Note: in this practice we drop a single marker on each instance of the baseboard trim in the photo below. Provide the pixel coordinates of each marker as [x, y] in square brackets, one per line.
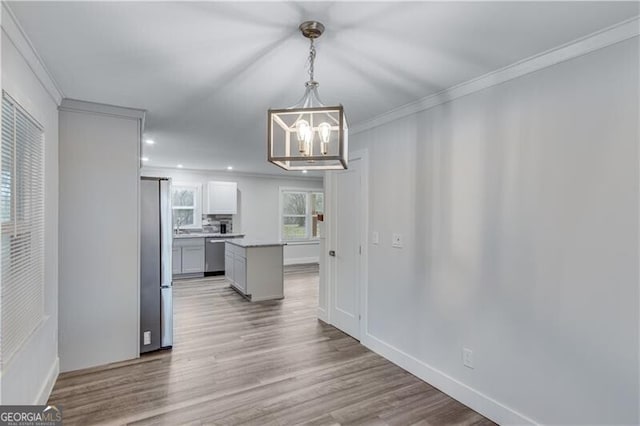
[470, 397]
[302, 260]
[265, 298]
[322, 315]
[47, 386]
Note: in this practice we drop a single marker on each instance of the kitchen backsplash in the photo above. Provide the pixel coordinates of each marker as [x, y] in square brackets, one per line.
[212, 222]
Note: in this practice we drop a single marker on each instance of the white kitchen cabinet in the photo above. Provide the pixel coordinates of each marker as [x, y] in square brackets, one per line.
[240, 273]
[228, 267]
[188, 257]
[192, 260]
[222, 198]
[176, 260]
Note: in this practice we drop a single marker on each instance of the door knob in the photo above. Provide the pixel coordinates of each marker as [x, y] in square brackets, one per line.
[332, 253]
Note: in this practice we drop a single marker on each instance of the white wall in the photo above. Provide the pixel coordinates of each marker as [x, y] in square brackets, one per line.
[258, 205]
[99, 234]
[519, 210]
[301, 253]
[29, 376]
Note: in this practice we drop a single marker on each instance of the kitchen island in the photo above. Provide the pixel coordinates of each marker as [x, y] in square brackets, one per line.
[255, 268]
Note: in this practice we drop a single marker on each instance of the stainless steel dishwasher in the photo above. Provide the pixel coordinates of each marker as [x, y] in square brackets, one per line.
[214, 257]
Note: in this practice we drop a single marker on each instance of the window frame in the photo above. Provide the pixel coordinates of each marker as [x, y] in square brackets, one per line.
[308, 215]
[197, 204]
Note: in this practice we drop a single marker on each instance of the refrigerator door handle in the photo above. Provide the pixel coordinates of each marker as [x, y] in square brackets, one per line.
[166, 237]
[166, 273]
[166, 312]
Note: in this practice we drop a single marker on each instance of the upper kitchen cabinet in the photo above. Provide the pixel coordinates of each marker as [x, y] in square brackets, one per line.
[223, 198]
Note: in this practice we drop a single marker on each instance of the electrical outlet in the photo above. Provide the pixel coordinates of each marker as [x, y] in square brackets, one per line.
[467, 357]
[396, 241]
[375, 237]
[147, 338]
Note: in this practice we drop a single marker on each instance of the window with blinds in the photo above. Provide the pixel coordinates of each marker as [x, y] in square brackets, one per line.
[22, 221]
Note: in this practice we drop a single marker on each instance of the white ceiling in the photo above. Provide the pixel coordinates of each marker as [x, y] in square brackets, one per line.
[207, 72]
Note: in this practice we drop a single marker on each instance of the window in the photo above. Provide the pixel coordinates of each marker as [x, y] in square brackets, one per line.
[22, 223]
[187, 209]
[300, 209]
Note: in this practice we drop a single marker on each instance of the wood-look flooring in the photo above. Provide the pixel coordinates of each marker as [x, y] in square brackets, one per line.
[270, 363]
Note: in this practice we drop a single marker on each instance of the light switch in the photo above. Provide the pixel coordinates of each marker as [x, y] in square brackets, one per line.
[396, 241]
[375, 237]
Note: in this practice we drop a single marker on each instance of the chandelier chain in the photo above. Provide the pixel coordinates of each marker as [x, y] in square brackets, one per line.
[312, 58]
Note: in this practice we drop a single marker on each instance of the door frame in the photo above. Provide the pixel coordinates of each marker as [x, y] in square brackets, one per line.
[328, 279]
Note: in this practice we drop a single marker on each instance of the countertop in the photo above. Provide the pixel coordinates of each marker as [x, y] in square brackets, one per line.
[206, 235]
[246, 242]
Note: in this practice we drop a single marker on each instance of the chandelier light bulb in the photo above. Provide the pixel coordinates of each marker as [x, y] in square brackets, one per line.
[324, 130]
[305, 136]
[324, 148]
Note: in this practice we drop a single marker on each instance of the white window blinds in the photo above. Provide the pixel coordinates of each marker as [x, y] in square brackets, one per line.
[22, 217]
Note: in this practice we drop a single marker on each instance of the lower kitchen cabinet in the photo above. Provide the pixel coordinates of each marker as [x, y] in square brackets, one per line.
[188, 257]
[240, 273]
[228, 266]
[192, 260]
[176, 260]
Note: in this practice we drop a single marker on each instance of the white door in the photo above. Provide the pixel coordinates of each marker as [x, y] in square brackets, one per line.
[345, 302]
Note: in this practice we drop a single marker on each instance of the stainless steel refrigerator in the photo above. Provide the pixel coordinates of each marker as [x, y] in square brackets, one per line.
[156, 304]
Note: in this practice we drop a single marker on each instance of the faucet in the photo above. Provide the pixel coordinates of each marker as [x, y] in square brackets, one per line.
[178, 223]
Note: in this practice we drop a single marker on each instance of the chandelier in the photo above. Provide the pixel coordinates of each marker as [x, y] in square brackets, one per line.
[308, 135]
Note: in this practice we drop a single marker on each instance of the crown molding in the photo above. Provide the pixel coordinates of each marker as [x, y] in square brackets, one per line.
[74, 105]
[12, 29]
[230, 174]
[606, 37]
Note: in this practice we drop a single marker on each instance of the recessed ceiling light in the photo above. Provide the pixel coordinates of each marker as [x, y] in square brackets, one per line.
[180, 166]
[149, 141]
[229, 167]
[304, 171]
[145, 159]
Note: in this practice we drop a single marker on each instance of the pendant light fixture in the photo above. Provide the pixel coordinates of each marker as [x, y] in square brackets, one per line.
[308, 135]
